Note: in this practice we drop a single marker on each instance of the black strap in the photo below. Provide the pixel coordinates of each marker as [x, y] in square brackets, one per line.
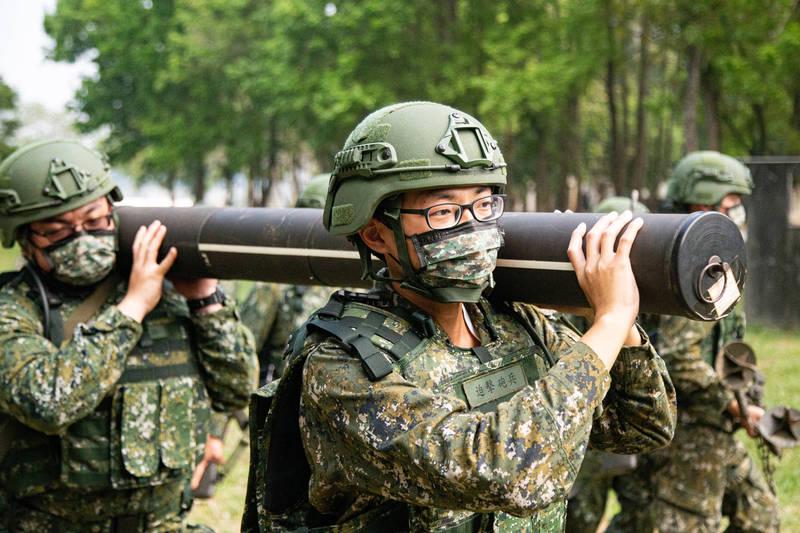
[482, 354]
[153, 373]
[376, 365]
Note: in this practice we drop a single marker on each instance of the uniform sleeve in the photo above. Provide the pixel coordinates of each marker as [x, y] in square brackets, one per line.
[227, 356]
[639, 412]
[701, 394]
[259, 311]
[396, 440]
[48, 388]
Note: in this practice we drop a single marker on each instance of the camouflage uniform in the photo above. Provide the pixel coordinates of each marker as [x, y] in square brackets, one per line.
[455, 439]
[589, 494]
[381, 423]
[272, 313]
[110, 423]
[705, 470]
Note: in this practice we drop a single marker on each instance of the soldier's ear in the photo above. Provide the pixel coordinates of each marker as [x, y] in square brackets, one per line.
[377, 236]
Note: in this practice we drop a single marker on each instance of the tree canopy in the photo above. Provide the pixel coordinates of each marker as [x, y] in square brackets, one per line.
[609, 92]
[9, 122]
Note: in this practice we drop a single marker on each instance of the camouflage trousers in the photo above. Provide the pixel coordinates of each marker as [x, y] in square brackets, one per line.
[587, 500]
[68, 511]
[688, 485]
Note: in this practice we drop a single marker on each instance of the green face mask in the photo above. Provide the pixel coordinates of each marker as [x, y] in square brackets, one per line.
[83, 259]
[456, 264]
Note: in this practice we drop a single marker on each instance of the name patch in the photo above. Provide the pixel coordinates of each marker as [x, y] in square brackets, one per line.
[494, 385]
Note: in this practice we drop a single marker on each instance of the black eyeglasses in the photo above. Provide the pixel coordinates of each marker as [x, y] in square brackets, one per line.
[444, 216]
[103, 222]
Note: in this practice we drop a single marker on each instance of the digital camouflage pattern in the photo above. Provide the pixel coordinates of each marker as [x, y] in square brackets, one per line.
[440, 434]
[589, 494]
[125, 403]
[465, 260]
[85, 259]
[683, 487]
[273, 312]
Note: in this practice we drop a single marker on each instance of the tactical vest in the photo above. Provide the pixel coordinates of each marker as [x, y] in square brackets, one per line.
[386, 338]
[149, 430]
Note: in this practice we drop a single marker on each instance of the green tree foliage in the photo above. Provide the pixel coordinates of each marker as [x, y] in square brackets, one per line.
[606, 91]
[8, 119]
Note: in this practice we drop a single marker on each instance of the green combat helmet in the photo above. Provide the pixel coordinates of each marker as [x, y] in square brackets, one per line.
[314, 193]
[44, 179]
[406, 147]
[620, 204]
[705, 178]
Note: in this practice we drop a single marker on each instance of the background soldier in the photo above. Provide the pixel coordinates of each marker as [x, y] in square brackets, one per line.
[422, 405]
[682, 487]
[271, 312]
[589, 494]
[105, 384]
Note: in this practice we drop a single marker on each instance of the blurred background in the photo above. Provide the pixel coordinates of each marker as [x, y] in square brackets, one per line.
[239, 102]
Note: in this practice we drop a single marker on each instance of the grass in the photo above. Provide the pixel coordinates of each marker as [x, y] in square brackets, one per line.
[10, 259]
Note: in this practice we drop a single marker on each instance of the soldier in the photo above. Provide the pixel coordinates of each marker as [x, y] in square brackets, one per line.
[587, 501]
[272, 314]
[682, 487]
[105, 383]
[423, 405]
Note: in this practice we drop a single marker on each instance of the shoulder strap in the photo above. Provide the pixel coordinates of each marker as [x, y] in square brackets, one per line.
[357, 332]
[89, 307]
[531, 329]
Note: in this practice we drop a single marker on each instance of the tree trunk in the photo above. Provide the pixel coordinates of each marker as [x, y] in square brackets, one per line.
[272, 163]
[199, 182]
[228, 174]
[543, 192]
[640, 164]
[690, 95]
[570, 155]
[617, 156]
[760, 140]
[711, 98]
[171, 182]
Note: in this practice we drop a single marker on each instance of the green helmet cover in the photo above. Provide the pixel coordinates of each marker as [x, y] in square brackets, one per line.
[48, 178]
[620, 204]
[314, 193]
[706, 177]
[407, 147]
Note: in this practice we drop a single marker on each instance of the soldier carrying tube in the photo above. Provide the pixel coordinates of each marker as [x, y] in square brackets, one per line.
[422, 405]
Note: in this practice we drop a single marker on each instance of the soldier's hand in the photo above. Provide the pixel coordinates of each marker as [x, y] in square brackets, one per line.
[213, 453]
[607, 280]
[147, 274]
[754, 415]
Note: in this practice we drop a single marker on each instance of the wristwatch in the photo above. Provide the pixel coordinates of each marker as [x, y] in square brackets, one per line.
[217, 297]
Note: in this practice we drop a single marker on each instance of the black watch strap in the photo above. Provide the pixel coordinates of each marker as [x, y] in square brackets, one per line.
[218, 297]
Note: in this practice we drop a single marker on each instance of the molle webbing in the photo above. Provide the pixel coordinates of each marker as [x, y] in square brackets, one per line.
[357, 332]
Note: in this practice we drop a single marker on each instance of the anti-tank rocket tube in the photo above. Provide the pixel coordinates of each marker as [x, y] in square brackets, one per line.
[692, 265]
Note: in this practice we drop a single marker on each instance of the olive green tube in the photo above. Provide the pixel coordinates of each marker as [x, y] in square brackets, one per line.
[691, 265]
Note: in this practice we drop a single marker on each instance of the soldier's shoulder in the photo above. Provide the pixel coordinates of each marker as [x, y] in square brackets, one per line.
[14, 291]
